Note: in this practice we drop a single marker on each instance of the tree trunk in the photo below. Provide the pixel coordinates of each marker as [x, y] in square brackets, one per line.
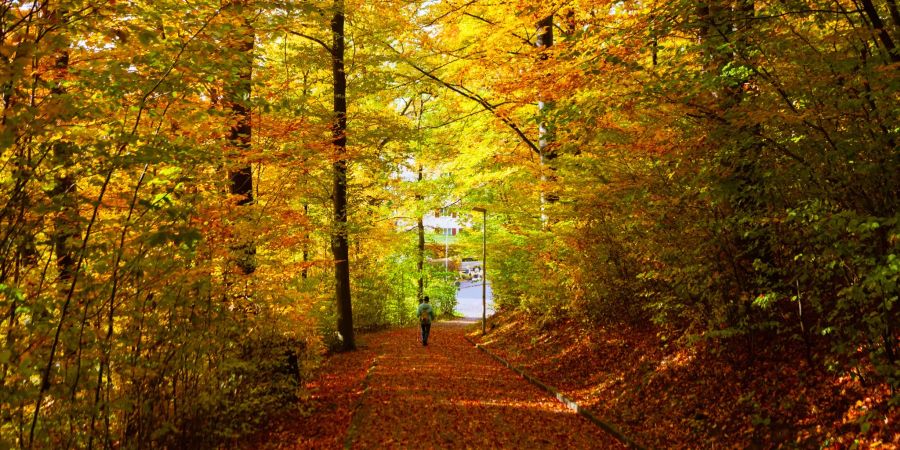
[339, 247]
[548, 154]
[878, 27]
[420, 261]
[63, 194]
[238, 97]
[305, 272]
[654, 42]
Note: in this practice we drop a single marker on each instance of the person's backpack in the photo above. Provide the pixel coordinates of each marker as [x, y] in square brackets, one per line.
[425, 317]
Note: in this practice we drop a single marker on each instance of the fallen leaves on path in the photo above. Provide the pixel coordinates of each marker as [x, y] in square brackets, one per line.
[450, 395]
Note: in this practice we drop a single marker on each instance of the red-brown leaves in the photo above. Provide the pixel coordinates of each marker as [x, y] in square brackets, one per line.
[450, 395]
[666, 394]
[446, 395]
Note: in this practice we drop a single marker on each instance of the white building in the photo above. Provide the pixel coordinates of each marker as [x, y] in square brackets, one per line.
[442, 221]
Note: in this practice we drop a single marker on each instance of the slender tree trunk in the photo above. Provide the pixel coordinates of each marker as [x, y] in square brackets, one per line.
[339, 246]
[305, 272]
[547, 152]
[420, 261]
[654, 42]
[239, 136]
[66, 223]
[878, 27]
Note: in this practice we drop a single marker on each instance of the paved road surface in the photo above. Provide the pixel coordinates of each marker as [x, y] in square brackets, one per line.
[468, 300]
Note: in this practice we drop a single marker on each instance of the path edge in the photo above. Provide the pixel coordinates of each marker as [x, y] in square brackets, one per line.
[357, 414]
[562, 398]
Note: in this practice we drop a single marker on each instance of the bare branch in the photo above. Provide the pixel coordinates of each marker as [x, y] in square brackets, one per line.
[316, 40]
[461, 90]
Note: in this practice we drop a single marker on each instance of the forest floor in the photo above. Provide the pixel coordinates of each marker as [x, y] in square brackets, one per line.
[663, 391]
[325, 406]
[395, 393]
[658, 390]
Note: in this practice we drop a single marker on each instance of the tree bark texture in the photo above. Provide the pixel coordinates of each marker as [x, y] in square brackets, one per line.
[339, 245]
[547, 152]
[240, 133]
[64, 192]
[879, 29]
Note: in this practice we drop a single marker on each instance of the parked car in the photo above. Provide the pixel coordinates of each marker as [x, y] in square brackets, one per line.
[468, 264]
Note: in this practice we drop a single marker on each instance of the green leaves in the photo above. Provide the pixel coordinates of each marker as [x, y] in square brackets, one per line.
[11, 293]
[185, 237]
[765, 301]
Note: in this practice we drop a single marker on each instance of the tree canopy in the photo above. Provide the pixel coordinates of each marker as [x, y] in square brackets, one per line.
[197, 196]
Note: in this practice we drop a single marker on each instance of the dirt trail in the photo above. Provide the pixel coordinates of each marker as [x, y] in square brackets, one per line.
[451, 395]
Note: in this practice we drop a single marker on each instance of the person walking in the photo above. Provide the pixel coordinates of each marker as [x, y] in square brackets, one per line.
[426, 315]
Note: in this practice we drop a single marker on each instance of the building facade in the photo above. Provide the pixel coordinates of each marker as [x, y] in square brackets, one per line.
[443, 221]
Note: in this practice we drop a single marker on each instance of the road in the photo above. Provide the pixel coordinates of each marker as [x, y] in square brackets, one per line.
[451, 395]
[468, 299]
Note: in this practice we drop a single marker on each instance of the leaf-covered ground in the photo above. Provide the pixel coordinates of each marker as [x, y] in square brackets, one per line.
[446, 395]
[664, 393]
[451, 395]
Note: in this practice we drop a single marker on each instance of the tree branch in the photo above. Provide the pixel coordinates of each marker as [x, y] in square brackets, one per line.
[477, 99]
[317, 41]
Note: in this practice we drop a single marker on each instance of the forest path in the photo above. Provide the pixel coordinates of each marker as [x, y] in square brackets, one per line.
[451, 395]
